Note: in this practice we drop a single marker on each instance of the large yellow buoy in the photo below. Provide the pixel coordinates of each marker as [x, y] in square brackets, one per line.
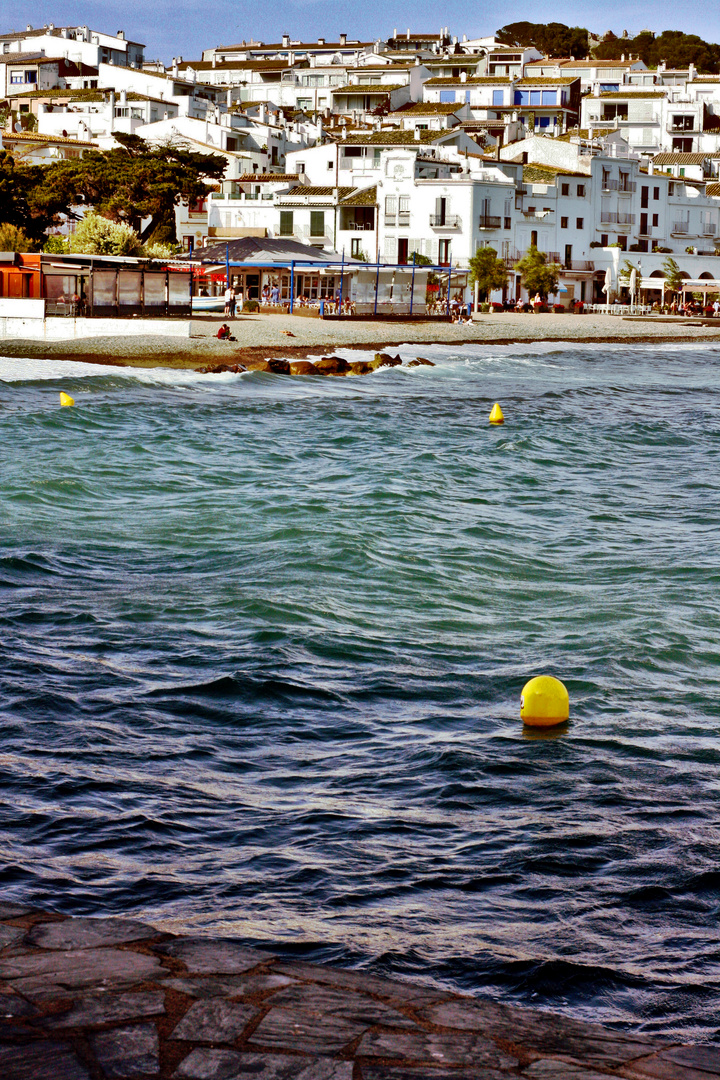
[65, 399]
[544, 702]
[496, 414]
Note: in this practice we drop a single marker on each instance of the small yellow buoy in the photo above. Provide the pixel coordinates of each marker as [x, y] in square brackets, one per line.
[65, 399]
[544, 702]
[496, 414]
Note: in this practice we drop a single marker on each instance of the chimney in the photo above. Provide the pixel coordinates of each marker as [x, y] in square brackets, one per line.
[286, 41]
[463, 76]
[28, 28]
[395, 32]
[175, 69]
[214, 60]
[692, 72]
[344, 131]
[651, 167]
[622, 58]
[121, 34]
[416, 134]
[321, 41]
[343, 39]
[408, 33]
[417, 61]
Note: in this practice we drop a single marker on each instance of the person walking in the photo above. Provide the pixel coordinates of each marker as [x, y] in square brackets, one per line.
[228, 295]
[232, 304]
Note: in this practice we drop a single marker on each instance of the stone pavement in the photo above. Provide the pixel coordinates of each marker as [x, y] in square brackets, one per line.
[116, 999]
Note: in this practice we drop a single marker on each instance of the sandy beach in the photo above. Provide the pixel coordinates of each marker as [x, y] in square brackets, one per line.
[265, 336]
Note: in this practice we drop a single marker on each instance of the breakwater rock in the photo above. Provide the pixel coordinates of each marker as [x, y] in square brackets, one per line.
[95, 999]
[328, 365]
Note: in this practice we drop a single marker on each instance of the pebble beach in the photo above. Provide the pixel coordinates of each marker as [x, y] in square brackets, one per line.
[264, 336]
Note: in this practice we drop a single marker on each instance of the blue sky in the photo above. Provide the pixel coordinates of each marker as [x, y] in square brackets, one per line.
[185, 27]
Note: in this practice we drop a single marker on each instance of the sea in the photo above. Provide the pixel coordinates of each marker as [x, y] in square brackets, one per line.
[263, 641]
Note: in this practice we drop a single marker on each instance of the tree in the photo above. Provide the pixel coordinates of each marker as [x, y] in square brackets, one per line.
[538, 275]
[419, 259]
[488, 271]
[97, 235]
[56, 245]
[17, 182]
[13, 239]
[128, 184]
[673, 275]
[552, 39]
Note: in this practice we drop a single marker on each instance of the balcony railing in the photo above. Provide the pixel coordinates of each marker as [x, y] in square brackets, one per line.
[579, 264]
[681, 228]
[625, 186]
[611, 218]
[539, 215]
[646, 232]
[358, 226]
[445, 221]
[708, 229]
[488, 221]
[674, 129]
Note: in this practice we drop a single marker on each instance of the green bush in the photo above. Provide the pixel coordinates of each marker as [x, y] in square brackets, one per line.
[251, 305]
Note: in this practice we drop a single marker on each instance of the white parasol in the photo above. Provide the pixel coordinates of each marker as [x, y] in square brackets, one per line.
[608, 282]
[633, 282]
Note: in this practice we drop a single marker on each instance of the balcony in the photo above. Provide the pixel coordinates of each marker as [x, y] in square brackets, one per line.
[612, 218]
[708, 229]
[579, 264]
[488, 221]
[445, 221]
[674, 129]
[626, 187]
[646, 233]
[680, 228]
[539, 215]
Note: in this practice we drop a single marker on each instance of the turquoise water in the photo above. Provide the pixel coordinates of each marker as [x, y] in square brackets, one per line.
[262, 643]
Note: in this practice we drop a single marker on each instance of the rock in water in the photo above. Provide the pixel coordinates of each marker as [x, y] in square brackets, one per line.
[360, 367]
[383, 359]
[332, 365]
[420, 360]
[303, 367]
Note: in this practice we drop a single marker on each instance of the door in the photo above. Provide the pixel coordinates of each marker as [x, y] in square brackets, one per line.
[568, 256]
[440, 210]
[644, 195]
[402, 249]
[643, 225]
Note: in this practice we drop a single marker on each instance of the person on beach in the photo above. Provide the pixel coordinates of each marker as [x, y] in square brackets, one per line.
[224, 334]
[275, 295]
[239, 298]
[228, 294]
[537, 303]
[232, 304]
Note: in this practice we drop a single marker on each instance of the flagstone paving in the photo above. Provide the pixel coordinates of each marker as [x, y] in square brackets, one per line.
[116, 999]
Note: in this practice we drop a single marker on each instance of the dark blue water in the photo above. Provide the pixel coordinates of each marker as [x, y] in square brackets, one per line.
[262, 643]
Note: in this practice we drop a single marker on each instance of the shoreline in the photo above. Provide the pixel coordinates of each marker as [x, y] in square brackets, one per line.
[266, 337]
[85, 997]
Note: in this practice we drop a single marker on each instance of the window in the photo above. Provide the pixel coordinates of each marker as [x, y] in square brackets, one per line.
[356, 248]
[390, 209]
[232, 144]
[444, 253]
[404, 210]
[549, 97]
[330, 165]
[317, 222]
[300, 167]
[286, 223]
[447, 97]
[545, 121]
[656, 193]
[31, 76]
[507, 223]
[656, 220]
[581, 191]
[535, 97]
[16, 77]
[497, 97]
[564, 189]
[522, 97]
[402, 249]
[563, 223]
[579, 223]
[604, 239]
[353, 151]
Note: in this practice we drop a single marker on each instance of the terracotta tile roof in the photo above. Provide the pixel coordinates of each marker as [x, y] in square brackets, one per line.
[364, 197]
[360, 88]
[259, 65]
[682, 159]
[713, 190]
[560, 80]
[34, 136]
[28, 58]
[320, 192]
[631, 95]
[540, 174]
[472, 80]
[428, 108]
[266, 178]
[393, 138]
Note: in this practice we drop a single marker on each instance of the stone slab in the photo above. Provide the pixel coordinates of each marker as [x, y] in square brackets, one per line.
[305, 1032]
[12, 1005]
[362, 981]
[230, 986]
[9, 910]
[541, 1032]
[108, 1008]
[208, 956]
[43, 973]
[690, 1062]
[210, 1064]
[373, 1071]
[214, 1020]
[353, 1006]
[89, 933]
[430, 1048]
[128, 1053]
[41, 1061]
[553, 1069]
[11, 935]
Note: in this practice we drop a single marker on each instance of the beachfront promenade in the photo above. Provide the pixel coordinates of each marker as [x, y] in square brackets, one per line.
[116, 999]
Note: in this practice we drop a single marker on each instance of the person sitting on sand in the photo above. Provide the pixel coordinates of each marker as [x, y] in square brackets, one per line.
[224, 333]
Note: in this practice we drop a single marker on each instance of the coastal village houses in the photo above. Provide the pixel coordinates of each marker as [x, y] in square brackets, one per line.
[426, 145]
